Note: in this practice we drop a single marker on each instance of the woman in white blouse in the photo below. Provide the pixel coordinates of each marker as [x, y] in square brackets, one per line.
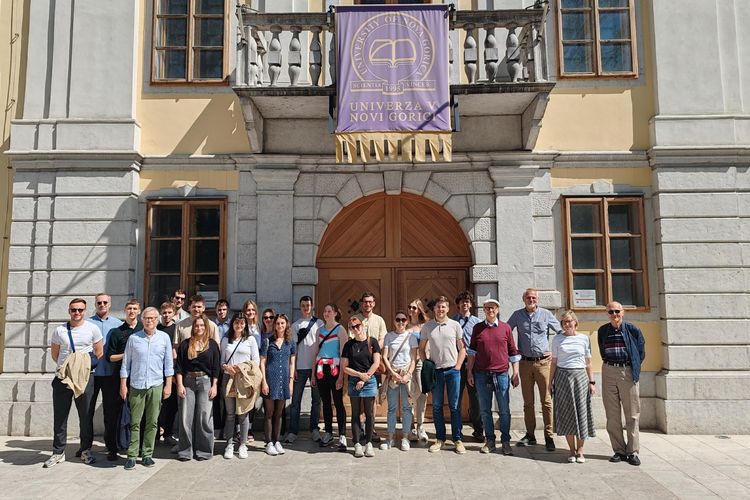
[237, 347]
[572, 385]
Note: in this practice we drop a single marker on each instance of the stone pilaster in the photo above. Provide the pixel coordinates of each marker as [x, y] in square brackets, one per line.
[275, 236]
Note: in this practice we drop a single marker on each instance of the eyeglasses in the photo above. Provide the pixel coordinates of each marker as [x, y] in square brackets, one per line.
[149, 318]
[101, 303]
[267, 317]
[614, 311]
[77, 310]
[412, 308]
[401, 320]
[566, 321]
[356, 327]
[181, 299]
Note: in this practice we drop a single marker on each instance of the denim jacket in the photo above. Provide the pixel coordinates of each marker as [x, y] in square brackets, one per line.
[634, 344]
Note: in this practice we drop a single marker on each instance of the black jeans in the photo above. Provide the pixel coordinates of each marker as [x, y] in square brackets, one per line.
[368, 405]
[327, 390]
[62, 398]
[109, 386]
[474, 414]
[169, 412]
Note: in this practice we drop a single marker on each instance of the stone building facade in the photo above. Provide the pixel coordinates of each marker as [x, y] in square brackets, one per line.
[99, 141]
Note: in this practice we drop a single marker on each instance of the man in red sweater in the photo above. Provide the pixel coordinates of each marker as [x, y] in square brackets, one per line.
[493, 351]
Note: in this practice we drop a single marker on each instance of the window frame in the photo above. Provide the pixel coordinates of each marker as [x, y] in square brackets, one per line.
[189, 48]
[602, 203]
[184, 238]
[596, 43]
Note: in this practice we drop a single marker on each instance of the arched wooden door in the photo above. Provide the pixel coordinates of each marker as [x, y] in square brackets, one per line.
[398, 247]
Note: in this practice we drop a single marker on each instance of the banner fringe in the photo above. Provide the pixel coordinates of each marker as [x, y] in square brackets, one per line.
[414, 146]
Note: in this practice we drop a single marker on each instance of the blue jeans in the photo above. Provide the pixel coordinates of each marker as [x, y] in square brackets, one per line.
[487, 384]
[393, 394]
[296, 407]
[451, 379]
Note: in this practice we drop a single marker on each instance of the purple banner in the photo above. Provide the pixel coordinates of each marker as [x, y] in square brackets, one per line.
[392, 68]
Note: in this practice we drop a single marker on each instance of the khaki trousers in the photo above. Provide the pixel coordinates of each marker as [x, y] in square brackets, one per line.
[536, 373]
[619, 391]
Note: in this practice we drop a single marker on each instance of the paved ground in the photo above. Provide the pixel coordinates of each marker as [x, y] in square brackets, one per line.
[673, 467]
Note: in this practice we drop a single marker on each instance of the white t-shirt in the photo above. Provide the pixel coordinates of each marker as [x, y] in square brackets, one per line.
[84, 338]
[571, 351]
[247, 350]
[306, 348]
[393, 341]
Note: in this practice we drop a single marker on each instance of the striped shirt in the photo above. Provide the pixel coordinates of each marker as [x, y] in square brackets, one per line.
[614, 347]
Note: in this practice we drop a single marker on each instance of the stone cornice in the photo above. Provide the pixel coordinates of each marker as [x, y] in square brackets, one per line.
[75, 160]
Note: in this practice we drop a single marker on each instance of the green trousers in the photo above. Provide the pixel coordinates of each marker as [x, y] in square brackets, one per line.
[142, 401]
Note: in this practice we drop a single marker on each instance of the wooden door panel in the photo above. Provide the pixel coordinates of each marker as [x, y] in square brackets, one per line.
[344, 287]
[427, 284]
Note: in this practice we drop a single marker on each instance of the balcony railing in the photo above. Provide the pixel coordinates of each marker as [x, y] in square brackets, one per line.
[292, 50]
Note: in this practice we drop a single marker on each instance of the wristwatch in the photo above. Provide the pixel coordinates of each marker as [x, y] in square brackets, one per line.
[592, 382]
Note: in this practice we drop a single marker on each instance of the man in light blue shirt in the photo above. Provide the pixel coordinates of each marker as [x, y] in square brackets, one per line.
[464, 303]
[222, 317]
[147, 361]
[105, 378]
[533, 324]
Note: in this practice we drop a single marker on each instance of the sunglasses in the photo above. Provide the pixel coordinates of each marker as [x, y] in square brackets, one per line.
[76, 309]
[102, 303]
[401, 320]
[356, 326]
[412, 308]
[614, 311]
[181, 299]
[267, 317]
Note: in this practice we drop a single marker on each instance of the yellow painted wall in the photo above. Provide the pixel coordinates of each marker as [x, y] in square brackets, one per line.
[187, 123]
[224, 180]
[653, 362]
[602, 118]
[13, 35]
[569, 177]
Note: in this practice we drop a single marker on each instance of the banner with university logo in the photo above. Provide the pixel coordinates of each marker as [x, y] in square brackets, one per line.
[393, 85]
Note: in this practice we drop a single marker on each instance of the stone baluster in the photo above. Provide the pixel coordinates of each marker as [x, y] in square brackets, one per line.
[535, 55]
[274, 56]
[513, 55]
[470, 54]
[491, 53]
[295, 56]
[251, 58]
[332, 57]
[316, 56]
[260, 42]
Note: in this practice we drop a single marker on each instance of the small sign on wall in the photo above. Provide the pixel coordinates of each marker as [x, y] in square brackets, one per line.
[584, 298]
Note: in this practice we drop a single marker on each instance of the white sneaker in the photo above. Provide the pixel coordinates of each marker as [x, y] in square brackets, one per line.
[358, 451]
[271, 450]
[405, 446]
[242, 451]
[229, 451]
[315, 435]
[422, 435]
[54, 460]
[369, 451]
[290, 438]
[413, 436]
[279, 448]
[342, 443]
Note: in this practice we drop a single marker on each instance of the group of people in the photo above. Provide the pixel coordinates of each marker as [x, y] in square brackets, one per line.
[214, 374]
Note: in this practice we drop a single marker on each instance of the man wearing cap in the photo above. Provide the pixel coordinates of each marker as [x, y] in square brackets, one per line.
[533, 324]
[492, 349]
[622, 348]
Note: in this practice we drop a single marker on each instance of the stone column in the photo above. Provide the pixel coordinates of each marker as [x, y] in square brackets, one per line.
[275, 243]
